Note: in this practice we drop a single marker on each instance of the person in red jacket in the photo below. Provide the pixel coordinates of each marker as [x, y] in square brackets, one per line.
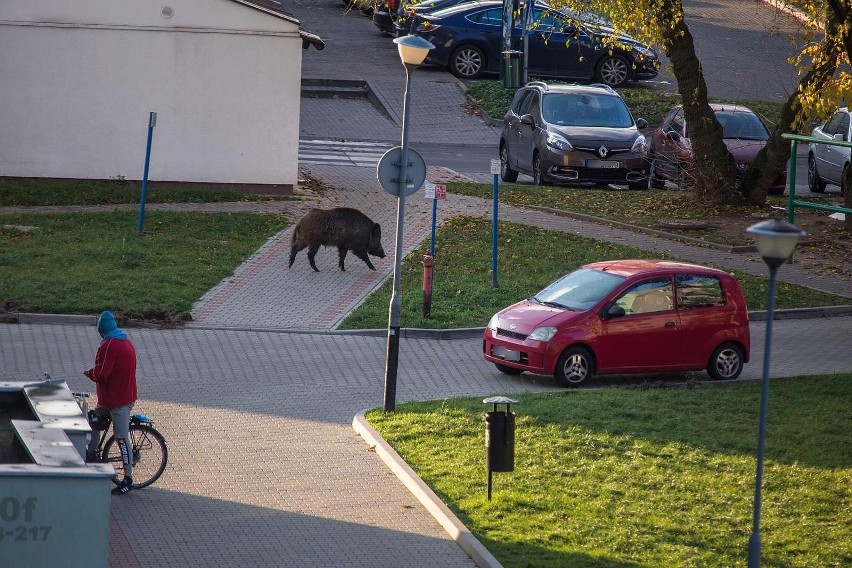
[114, 375]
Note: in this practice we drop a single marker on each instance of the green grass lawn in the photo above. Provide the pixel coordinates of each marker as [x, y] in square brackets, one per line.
[528, 259]
[651, 478]
[33, 192]
[83, 263]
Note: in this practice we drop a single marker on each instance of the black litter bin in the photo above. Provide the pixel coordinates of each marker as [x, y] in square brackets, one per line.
[499, 438]
[500, 441]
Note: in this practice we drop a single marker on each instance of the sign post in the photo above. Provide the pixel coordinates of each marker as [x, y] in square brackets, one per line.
[152, 122]
[495, 171]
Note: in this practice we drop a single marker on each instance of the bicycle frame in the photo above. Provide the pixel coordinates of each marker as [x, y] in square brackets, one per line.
[144, 443]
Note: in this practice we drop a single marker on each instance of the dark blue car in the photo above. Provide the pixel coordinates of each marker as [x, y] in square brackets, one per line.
[561, 45]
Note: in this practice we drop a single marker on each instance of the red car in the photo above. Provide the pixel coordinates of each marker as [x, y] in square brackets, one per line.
[670, 150]
[625, 316]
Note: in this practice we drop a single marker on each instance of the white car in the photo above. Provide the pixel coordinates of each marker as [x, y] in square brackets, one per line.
[827, 163]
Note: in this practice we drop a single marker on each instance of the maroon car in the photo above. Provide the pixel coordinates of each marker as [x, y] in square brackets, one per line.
[625, 316]
[670, 151]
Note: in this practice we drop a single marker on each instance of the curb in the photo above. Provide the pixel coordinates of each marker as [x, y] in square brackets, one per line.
[436, 507]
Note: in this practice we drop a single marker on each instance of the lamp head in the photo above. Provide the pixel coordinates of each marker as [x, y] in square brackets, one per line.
[775, 240]
[412, 49]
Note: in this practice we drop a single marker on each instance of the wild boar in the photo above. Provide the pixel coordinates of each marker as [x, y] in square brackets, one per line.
[343, 227]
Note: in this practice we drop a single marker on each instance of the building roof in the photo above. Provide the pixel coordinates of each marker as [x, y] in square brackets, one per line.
[274, 8]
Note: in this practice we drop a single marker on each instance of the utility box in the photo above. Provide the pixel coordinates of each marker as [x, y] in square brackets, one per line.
[54, 508]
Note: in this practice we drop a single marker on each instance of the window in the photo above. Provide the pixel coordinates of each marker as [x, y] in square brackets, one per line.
[488, 17]
[833, 126]
[694, 291]
[579, 290]
[647, 297]
[531, 105]
[586, 110]
[741, 125]
[843, 128]
[676, 124]
[522, 101]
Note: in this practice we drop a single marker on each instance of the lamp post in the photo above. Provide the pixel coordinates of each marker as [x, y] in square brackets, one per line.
[412, 52]
[775, 240]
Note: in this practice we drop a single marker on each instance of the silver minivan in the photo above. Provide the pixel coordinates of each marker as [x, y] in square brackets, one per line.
[828, 163]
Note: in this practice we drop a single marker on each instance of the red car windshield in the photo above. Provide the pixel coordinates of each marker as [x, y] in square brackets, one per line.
[578, 290]
[741, 126]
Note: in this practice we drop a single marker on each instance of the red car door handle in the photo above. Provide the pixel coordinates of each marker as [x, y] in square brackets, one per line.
[669, 324]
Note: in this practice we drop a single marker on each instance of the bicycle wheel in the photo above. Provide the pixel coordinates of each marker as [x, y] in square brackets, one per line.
[150, 455]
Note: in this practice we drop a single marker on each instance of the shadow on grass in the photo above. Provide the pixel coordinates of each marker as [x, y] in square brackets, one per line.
[525, 554]
[807, 421]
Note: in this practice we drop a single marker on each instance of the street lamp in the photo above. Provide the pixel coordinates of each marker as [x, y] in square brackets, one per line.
[412, 51]
[775, 240]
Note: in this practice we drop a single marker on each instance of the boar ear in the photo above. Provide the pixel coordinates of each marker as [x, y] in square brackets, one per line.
[377, 230]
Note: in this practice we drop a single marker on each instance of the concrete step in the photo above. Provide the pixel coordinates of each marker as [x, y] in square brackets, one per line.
[335, 89]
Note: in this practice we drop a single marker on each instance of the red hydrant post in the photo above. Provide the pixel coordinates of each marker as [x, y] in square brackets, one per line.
[428, 261]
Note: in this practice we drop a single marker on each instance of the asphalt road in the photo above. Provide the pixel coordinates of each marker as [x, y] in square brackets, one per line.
[743, 47]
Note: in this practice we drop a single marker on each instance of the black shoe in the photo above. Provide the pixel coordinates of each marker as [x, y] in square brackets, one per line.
[124, 487]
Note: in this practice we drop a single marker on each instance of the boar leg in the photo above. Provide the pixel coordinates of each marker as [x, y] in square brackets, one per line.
[312, 252]
[294, 250]
[363, 256]
[341, 252]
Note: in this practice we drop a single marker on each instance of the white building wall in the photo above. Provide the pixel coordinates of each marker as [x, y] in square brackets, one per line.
[76, 90]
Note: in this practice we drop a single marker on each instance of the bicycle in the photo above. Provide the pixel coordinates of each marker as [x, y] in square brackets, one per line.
[150, 454]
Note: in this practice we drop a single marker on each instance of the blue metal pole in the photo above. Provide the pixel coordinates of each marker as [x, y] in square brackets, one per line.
[754, 542]
[152, 122]
[494, 235]
[434, 224]
[395, 309]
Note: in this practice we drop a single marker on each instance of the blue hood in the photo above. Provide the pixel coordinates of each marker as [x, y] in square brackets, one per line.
[108, 328]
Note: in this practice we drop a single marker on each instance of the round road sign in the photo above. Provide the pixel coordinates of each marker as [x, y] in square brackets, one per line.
[389, 171]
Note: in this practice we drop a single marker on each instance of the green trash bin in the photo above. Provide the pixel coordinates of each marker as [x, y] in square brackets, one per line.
[511, 69]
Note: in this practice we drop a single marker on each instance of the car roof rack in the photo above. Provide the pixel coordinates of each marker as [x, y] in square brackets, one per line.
[541, 84]
[603, 86]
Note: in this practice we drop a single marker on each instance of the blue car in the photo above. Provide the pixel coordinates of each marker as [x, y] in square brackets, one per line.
[561, 45]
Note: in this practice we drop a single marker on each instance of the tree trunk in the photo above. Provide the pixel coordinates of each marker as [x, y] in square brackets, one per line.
[772, 158]
[714, 170]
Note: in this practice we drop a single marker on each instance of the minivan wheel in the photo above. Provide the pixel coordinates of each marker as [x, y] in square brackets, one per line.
[467, 62]
[613, 70]
[574, 367]
[507, 174]
[726, 363]
[815, 183]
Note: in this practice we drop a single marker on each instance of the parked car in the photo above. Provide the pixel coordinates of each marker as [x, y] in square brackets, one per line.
[402, 24]
[468, 40]
[572, 134]
[624, 316]
[385, 13]
[670, 149]
[828, 164]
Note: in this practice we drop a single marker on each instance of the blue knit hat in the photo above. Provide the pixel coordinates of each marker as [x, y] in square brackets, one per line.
[106, 323]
